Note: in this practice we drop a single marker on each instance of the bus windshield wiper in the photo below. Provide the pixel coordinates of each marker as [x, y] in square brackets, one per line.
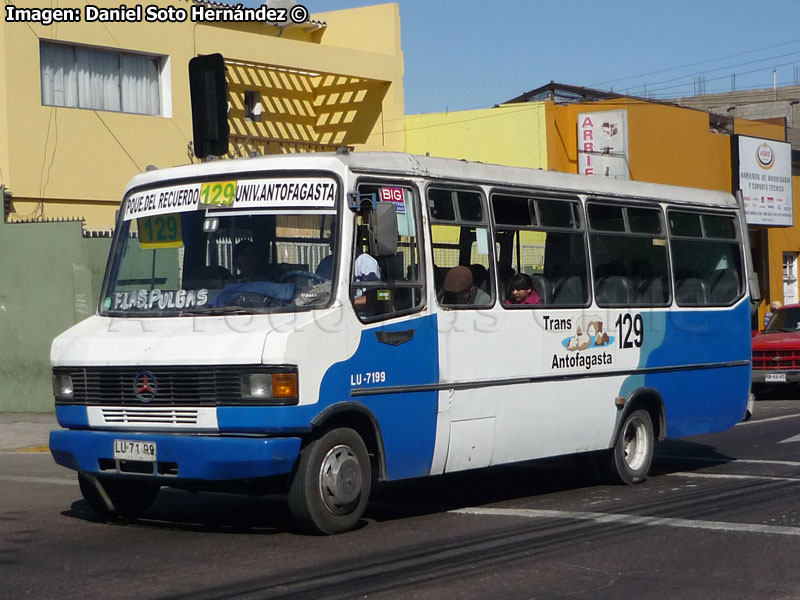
[220, 310]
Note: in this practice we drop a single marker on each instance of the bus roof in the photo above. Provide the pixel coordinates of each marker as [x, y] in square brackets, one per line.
[445, 169]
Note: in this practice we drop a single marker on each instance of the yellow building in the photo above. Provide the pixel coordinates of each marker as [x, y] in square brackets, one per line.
[664, 144]
[515, 135]
[87, 104]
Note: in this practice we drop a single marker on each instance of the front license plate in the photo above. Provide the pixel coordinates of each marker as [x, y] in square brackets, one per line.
[130, 450]
[775, 377]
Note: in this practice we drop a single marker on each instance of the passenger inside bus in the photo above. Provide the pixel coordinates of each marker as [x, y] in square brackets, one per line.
[459, 288]
[520, 291]
[325, 267]
[246, 262]
[480, 276]
[365, 269]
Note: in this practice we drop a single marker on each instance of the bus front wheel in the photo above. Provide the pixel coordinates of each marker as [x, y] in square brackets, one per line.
[331, 487]
[633, 450]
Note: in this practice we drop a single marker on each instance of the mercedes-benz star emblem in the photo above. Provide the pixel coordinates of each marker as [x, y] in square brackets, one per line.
[145, 386]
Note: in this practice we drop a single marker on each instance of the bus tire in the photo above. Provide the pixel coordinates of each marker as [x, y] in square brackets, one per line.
[633, 450]
[331, 486]
[112, 498]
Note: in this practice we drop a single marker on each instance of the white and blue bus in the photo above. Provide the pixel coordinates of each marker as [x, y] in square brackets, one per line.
[317, 323]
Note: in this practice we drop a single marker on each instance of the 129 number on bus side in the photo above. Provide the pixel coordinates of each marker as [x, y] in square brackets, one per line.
[630, 329]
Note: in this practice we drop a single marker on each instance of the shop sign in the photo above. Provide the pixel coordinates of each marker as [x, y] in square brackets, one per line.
[603, 144]
[765, 178]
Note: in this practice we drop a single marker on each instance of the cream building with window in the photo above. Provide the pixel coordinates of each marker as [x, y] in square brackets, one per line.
[84, 106]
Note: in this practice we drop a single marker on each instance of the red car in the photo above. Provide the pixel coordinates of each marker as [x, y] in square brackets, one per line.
[776, 352]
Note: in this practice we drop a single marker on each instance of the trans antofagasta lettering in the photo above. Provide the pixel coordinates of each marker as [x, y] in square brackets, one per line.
[149, 299]
[581, 361]
[260, 193]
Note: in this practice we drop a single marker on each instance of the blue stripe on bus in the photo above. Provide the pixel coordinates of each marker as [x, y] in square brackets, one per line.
[705, 400]
[72, 417]
[407, 420]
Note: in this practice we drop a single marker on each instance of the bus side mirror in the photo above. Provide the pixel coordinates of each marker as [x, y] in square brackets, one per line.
[382, 229]
[755, 292]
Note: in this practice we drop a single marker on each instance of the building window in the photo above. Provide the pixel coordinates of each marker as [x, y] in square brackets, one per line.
[789, 277]
[80, 77]
[252, 105]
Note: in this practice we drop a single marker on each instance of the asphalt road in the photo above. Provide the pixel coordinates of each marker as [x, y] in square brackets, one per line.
[719, 517]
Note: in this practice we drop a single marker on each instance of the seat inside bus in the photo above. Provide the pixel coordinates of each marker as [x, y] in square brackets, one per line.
[568, 290]
[691, 291]
[724, 286]
[615, 289]
[542, 287]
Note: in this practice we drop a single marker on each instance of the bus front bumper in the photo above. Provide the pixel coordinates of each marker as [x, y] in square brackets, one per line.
[193, 457]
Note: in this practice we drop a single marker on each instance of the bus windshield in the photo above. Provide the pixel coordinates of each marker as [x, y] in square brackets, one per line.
[221, 262]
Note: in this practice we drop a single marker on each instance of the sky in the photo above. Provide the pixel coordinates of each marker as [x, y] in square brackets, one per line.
[463, 54]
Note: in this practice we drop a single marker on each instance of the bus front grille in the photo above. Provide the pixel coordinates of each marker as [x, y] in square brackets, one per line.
[149, 416]
[174, 385]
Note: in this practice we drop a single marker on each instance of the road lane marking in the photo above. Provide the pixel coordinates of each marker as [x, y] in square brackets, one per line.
[767, 420]
[626, 519]
[732, 476]
[25, 479]
[707, 459]
[761, 461]
[794, 438]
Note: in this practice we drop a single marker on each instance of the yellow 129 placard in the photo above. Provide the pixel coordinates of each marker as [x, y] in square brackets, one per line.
[160, 231]
[218, 193]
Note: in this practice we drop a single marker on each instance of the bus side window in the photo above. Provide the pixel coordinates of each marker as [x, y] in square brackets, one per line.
[385, 286]
[463, 271]
[629, 255]
[706, 258]
[540, 238]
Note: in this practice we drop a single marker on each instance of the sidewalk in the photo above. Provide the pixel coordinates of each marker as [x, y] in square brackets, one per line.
[26, 432]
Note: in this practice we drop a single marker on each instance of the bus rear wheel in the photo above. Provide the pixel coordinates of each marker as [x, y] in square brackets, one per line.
[111, 498]
[633, 449]
[330, 489]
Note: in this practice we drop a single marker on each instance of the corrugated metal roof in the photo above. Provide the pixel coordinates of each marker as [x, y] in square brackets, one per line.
[561, 93]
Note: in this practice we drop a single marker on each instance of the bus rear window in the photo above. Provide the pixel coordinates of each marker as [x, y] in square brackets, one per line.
[706, 259]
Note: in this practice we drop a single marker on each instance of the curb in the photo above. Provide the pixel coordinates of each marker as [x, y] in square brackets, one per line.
[31, 449]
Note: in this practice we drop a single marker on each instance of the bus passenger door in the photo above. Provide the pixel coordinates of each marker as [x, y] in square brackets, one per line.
[397, 353]
[463, 298]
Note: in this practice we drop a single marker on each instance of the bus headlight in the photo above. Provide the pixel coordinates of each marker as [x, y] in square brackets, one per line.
[270, 388]
[257, 386]
[62, 387]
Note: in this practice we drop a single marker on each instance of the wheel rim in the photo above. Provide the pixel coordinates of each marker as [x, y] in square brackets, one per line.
[635, 444]
[340, 479]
